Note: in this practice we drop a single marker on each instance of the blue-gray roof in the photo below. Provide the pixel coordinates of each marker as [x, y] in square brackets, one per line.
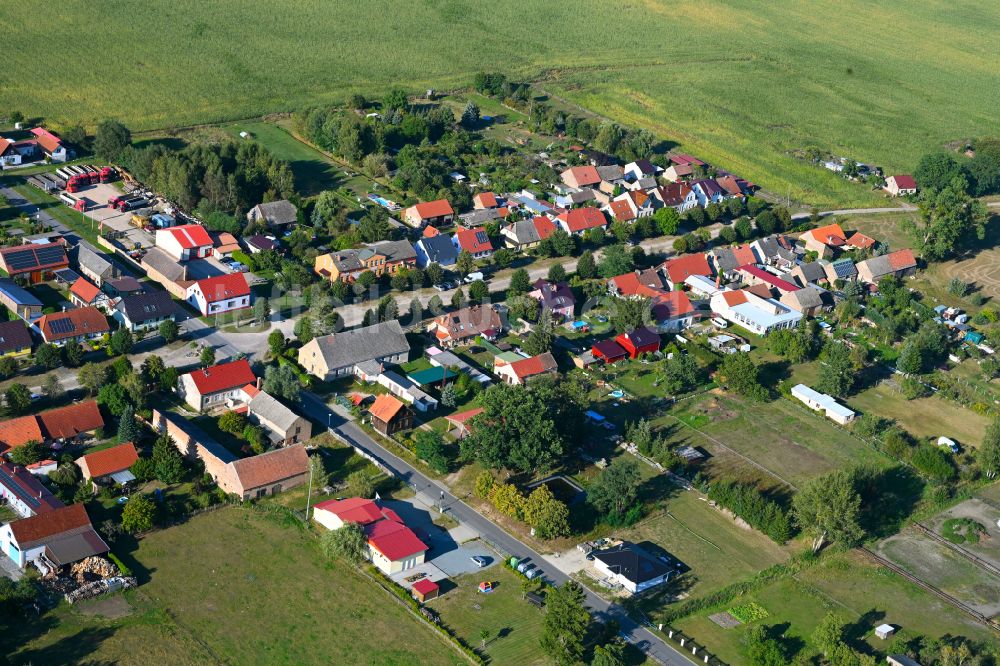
[18, 294]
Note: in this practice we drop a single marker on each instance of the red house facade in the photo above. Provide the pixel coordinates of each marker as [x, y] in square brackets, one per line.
[609, 351]
[638, 342]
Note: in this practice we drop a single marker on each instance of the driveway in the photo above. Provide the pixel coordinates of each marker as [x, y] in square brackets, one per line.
[447, 551]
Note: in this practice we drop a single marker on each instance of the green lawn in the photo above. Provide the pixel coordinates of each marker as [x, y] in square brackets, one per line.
[235, 586]
[86, 227]
[850, 585]
[789, 441]
[743, 83]
[716, 550]
[515, 626]
[314, 172]
[924, 417]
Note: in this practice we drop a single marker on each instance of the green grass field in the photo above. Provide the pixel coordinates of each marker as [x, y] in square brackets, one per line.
[742, 82]
[790, 442]
[515, 626]
[232, 586]
[860, 593]
[706, 540]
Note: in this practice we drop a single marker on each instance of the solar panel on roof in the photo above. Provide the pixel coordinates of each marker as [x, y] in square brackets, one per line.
[9, 482]
[60, 326]
[67, 275]
[20, 260]
[49, 255]
[481, 237]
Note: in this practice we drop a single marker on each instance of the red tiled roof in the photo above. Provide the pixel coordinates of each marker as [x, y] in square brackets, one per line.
[29, 260]
[352, 510]
[190, 236]
[223, 287]
[730, 185]
[670, 304]
[29, 531]
[430, 232]
[486, 200]
[768, 278]
[674, 194]
[268, 468]
[901, 259]
[82, 321]
[904, 182]
[744, 254]
[49, 141]
[580, 219]
[223, 377]
[431, 209]
[25, 486]
[474, 240]
[621, 210]
[690, 264]
[581, 176]
[84, 290]
[830, 234]
[4, 145]
[859, 240]
[385, 408]
[19, 431]
[683, 158]
[71, 420]
[109, 461]
[394, 540]
[544, 226]
[734, 298]
[467, 415]
[536, 365]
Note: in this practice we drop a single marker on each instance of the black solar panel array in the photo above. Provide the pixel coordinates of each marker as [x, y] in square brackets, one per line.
[61, 326]
[9, 482]
[49, 255]
[20, 259]
[481, 237]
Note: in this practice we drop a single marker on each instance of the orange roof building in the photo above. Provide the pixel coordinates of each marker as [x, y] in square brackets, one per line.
[107, 462]
[389, 415]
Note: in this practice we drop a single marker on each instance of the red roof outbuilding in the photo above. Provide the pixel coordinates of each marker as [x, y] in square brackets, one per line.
[609, 350]
[640, 341]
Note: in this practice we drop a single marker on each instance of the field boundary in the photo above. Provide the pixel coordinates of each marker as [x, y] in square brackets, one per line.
[972, 557]
[895, 568]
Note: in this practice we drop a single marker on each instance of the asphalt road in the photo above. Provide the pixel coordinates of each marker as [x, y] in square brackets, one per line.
[642, 638]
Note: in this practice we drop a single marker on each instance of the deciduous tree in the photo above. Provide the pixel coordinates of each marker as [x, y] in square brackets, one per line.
[565, 624]
[828, 507]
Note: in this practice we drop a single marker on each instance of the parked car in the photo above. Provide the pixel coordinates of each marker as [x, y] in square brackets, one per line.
[472, 277]
[479, 561]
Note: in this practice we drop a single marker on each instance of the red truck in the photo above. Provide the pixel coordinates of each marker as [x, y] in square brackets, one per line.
[108, 174]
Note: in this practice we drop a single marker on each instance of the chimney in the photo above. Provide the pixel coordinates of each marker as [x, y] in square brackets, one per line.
[259, 380]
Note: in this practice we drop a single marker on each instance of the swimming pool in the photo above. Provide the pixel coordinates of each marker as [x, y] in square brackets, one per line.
[617, 394]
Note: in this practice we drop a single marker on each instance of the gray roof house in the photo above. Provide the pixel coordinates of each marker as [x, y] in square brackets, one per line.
[284, 427]
[93, 266]
[274, 213]
[335, 355]
[138, 312]
[841, 269]
[808, 301]
[808, 272]
[436, 250]
[478, 218]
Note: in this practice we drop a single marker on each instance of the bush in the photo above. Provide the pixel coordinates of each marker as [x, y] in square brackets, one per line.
[933, 462]
[118, 563]
[750, 504]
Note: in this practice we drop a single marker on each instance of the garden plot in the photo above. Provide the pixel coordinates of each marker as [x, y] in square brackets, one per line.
[960, 519]
[945, 568]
